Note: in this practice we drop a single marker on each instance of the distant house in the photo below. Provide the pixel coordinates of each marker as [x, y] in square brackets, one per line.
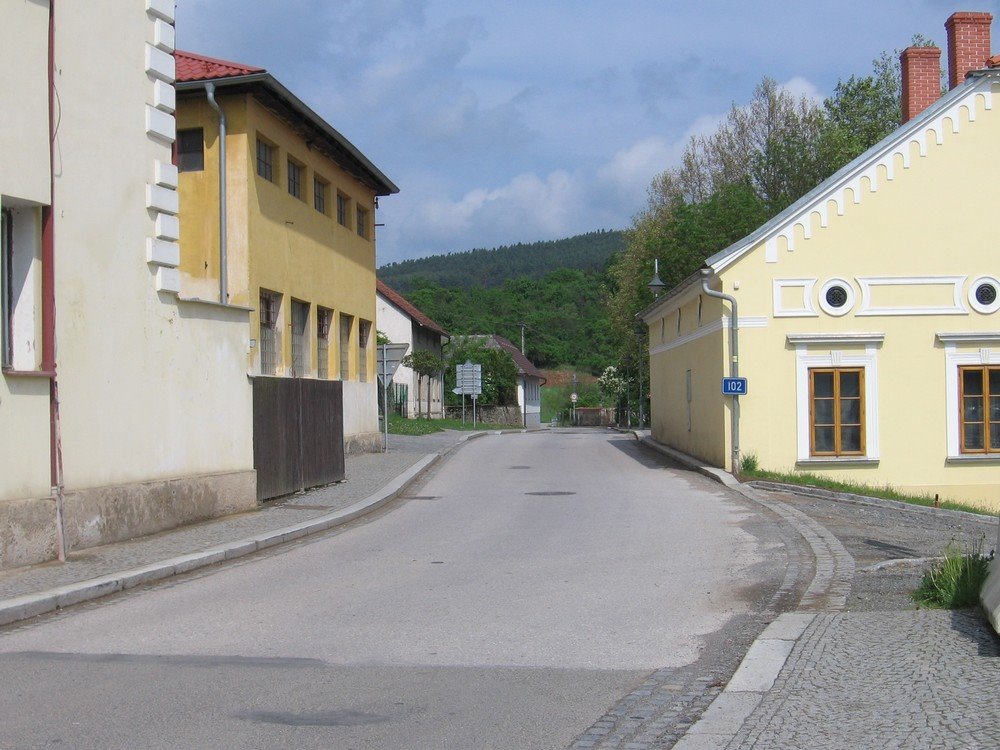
[404, 323]
[298, 238]
[529, 380]
[868, 311]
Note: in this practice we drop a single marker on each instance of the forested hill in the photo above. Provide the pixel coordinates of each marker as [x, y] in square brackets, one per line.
[490, 268]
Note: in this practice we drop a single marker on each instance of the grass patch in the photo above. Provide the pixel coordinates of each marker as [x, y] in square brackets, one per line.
[955, 581]
[750, 469]
[402, 426]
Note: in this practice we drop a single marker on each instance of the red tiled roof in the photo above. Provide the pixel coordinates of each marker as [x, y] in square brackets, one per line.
[399, 301]
[192, 67]
[524, 364]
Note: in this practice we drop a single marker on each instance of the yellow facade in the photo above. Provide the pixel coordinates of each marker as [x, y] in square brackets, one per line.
[905, 234]
[277, 242]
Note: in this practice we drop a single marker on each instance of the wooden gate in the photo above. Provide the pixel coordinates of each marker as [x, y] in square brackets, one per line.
[298, 434]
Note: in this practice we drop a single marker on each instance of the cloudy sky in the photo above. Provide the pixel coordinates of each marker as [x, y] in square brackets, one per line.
[517, 121]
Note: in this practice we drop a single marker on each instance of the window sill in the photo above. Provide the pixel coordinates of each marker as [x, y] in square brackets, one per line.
[213, 303]
[974, 458]
[838, 461]
[11, 373]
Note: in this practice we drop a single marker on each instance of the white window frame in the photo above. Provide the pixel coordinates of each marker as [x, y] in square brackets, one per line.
[987, 355]
[835, 358]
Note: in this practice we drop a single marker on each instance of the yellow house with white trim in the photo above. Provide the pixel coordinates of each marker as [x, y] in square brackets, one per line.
[868, 317]
[299, 205]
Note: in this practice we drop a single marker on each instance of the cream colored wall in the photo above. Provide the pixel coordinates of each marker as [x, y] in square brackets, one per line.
[929, 221]
[150, 388]
[24, 101]
[24, 182]
[701, 349]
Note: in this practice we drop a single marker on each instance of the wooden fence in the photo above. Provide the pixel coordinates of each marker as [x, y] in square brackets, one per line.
[298, 434]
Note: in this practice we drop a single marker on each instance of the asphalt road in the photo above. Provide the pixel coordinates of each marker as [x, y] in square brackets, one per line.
[516, 594]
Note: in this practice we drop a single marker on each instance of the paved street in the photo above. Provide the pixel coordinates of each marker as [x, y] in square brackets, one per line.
[533, 591]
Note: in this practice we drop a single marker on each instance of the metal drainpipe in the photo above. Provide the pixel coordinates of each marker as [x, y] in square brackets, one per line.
[223, 235]
[49, 305]
[734, 362]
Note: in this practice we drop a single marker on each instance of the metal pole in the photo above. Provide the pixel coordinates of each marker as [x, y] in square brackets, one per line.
[385, 399]
[734, 362]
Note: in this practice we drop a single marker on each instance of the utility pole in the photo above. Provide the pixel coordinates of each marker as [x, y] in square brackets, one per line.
[523, 326]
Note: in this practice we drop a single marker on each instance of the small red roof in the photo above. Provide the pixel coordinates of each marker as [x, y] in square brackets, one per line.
[525, 365]
[399, 301]
[993, 62]
[192, 67]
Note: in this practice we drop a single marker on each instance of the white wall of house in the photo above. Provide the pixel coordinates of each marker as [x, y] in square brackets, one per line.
[155, 403]
[426, 395]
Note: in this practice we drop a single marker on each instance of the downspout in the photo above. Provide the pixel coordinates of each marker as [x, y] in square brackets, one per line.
[49, 307]
[223, 234]
[734, 362]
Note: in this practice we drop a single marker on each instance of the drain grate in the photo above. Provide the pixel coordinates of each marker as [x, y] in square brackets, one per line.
[421, 497]
[549, 494]
[520, 467]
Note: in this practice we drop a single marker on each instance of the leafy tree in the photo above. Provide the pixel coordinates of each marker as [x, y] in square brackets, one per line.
[499, 371]
[426, 364]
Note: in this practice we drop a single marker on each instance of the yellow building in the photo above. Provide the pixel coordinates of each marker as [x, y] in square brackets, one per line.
[868, 311]
[295, 224]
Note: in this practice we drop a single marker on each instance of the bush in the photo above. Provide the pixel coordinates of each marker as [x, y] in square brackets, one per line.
[955, 581]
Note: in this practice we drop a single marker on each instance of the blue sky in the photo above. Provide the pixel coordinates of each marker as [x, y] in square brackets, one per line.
[521, 121]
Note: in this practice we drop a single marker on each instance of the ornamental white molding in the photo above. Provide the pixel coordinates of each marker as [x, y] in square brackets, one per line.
[162, 250]
[778, 292]
[848, 304]
[975, 303]
[867, 284]
[864, 176]
[804, 361]
[954, 359]
[830, 339]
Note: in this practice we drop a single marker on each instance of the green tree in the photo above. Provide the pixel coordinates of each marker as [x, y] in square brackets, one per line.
[499, 371]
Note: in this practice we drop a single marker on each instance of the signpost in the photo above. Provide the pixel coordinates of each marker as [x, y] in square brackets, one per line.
[469, 382]
[734, 386]
[388, 358]
[573, 398]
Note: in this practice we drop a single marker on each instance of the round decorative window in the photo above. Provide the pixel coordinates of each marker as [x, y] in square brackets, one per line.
[836, 297]
[984, 295]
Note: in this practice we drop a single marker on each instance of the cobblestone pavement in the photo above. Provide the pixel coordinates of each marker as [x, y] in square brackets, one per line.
[880, 673]
[365, 473]
[917, 679]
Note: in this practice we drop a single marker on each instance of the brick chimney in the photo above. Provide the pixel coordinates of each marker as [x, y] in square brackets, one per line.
[921, 68]
[968, 44]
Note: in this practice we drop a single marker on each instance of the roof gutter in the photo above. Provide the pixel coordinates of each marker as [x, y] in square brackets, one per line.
[385, 185]
[223, 228]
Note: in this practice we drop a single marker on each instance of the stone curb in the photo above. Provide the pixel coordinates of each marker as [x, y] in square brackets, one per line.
[850, 497]
[32, 605]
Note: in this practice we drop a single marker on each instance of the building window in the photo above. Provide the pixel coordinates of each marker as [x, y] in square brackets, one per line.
[364, 329]
[295, 175]
[362, 225]
[265, 160]
[980, 409]
[346, 323]
[6, 287]
[343, 204]
[20, 287]
[324, 317]
[837, 411]
[300, 338]
[270, 340]
[191, 150]
[320, 188]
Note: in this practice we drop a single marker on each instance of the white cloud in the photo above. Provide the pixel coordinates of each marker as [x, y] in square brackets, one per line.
[799, 87]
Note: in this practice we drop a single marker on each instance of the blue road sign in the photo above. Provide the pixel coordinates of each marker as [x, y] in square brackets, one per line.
[734, 386]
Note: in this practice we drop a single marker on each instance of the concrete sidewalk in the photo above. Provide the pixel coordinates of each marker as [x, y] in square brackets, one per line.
[373, 479]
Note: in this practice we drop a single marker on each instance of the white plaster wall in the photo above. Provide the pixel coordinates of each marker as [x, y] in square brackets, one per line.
[398, 326]
[24, 100]
[26, 278]
[360, 409]
[24, 438]
[150, 387]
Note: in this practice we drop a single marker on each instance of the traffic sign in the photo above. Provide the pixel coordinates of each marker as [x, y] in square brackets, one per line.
[734, 386]
[573, 398]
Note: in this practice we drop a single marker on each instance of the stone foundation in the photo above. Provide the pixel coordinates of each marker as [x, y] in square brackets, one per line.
[103, 515]
[366, 442]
